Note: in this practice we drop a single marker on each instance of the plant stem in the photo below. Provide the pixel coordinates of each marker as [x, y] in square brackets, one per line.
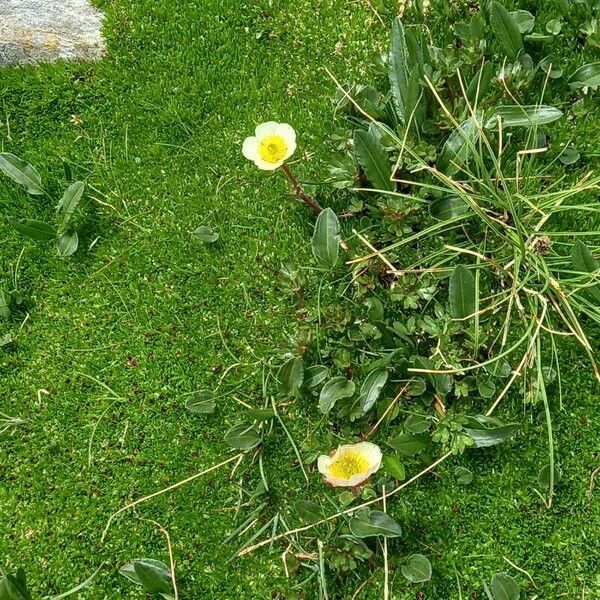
[299, 192]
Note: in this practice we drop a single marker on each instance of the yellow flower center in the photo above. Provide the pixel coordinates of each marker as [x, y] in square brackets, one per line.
[272, 148]
[347, 465]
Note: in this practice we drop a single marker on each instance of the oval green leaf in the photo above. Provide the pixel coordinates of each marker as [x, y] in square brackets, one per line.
[417, 569]
[21, 172]
[243, 437]
[326, 238]
[34, 229]
[335, 389]
[369, 523]
[371, 389]
[462, 293]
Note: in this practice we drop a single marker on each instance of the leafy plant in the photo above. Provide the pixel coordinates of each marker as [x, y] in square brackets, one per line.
[153, 575]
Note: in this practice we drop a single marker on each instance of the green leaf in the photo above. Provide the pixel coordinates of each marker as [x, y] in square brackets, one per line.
[504, 587]
[459, 146]
[480, 83]
[523, 116]
[371, 388]
[569, 156]
[243, 437]
[448, 207]
[417, 569]
[506, 29]
[417, 424]
[335, 389]
[487, 431]
[68, 243]
[463, 475]
[583, 261]
[326, 238]
[544, 476]
[554, 26]
[462, 293]
[486, 388]
[586, 76]
[5, 311]
[309, 512]
[259, 414]
[201, 402]
[14, 587]
[34, 229]
[441, 382]
[408, 444]
[153, 575]
[206, 234]
[373, 159]
[315, 375]
[69, 201]
[524, 20]
[394, 467]
[397, 69]
[21, 172]
[369, 523]
[291, 376]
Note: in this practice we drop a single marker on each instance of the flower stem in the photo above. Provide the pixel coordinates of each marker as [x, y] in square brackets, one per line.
[299, 192]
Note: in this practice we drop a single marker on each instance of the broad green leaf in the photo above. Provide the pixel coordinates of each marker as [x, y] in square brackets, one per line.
[335, 389]
[309, 512]
[417, 424]
[369, 523]
[441, 382]
[206, 234]
[201, 402]
[34, 229]
[586, 76]
[243, 437]
[326, 238]
[544, 476]
[291, 376]
[408, 444]
[153, 575]
[68, 243]
[463, 475]
[21, 172]
[480, 83]
[373, 159]
[487, 432]
[315, 375]
[5, 311]
[259, 414]
[569, 156]
[14, 587]
[523, 116]
[504, 587]
[371, 388]
[398, 70]
[447, 207]
[417, 569]
[69, 201]
[582, 260]
[462, 293]
[506, 29]
[486, 388]
[524, 20]
[458, 146]
[394, 467]
[554, 26]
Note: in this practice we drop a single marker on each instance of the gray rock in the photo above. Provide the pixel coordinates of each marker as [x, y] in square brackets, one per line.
[46, 30]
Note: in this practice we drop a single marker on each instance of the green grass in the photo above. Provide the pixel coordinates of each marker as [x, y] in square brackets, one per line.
[154, 315]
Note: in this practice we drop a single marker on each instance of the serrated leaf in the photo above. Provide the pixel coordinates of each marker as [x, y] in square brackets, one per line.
[506, 30]
[523, 116]
[291, 376]
[371, 388]
[587, 75]
[243, 437]
[21, 172]
[69, 201]
[34, 229]
[369, 523]
[408, 444]
[462, 293]
[504, 587]
[459, 146]
[488, 432]
[68, 243]
[583, 261]
[326, 238]
[417, 569]
[206, 234]
[373, 159]
[335, 389]
[397, 69]
[201, 402]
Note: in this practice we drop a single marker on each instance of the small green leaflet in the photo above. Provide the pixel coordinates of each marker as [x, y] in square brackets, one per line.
[583, 261]
[586, 76]
[243, 437]
[21, 172]
[315, 375]
[153, 575]
[488, 431]
[417, 569]
[69, 201]
[206, 234]
[371, 388]
[335, 389]
[503, 587]
[462, 293]
[397, 68]
[506, 29]
[201, 402]
[291, 376]
[373, 159]
[408, 444]
[369, 523]
[34, 229]
[459, 146]
[326, 238]
[68, 243]
[523, 116]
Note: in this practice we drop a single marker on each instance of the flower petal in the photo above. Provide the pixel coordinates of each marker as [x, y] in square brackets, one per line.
[266, 166]
[267, 128]
[250, 148]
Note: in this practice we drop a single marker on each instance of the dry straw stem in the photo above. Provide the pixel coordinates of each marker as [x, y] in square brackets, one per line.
[168, 489]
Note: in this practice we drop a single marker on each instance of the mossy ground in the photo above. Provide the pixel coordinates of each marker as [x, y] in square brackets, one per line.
[153, 314]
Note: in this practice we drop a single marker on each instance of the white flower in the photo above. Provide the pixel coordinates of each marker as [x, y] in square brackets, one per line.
[272, 144]
[350, 465]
